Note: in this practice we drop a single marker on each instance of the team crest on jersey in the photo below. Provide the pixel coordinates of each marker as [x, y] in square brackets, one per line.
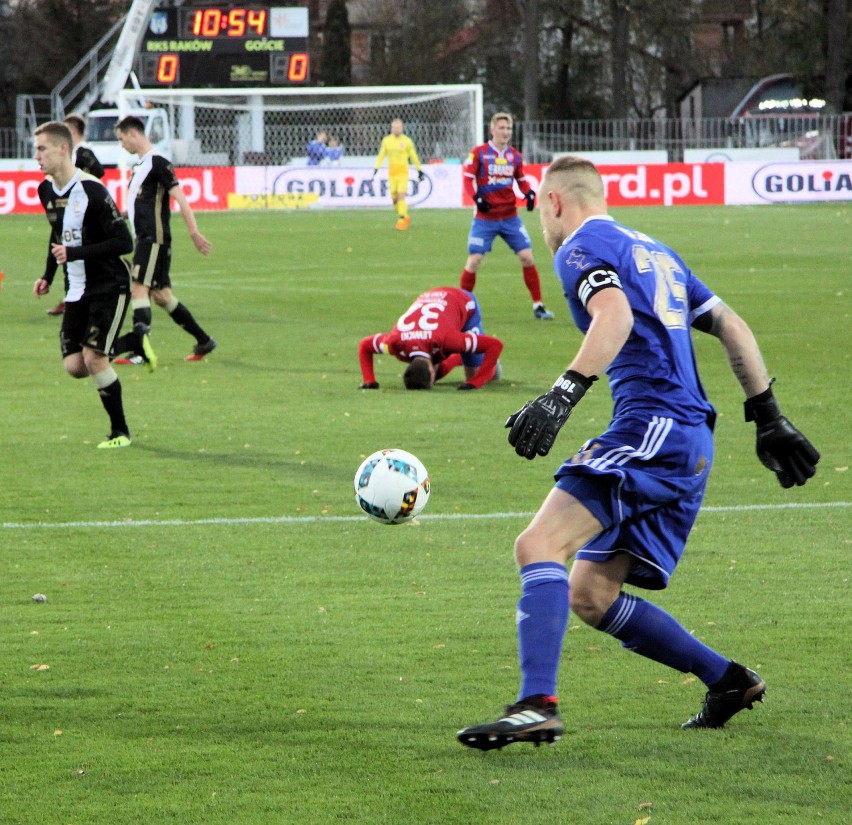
[576, 259]
[159, 23]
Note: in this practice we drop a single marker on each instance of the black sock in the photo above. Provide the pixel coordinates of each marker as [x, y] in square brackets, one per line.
[184, 319]
[111, 399]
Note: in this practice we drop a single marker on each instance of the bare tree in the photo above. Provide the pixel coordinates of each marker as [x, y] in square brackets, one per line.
[836, 52]
[532, 71]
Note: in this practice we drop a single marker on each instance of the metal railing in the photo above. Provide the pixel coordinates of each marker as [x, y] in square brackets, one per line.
[77, 90]
[816, 137]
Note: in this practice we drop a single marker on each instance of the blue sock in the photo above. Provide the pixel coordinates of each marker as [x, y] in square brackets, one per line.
[542, 619]
[651, 632]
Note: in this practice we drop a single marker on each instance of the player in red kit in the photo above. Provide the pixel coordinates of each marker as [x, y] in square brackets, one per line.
[439, 331]
[489, 175]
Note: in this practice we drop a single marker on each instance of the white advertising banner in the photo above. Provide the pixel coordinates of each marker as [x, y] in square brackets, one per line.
[798, 182]
[289, 187]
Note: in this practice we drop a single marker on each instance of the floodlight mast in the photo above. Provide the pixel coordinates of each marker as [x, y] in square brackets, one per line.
[126, 49]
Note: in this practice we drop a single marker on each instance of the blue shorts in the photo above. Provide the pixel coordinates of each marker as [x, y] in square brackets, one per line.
[474, 324]
[483, 233]
[644, 480]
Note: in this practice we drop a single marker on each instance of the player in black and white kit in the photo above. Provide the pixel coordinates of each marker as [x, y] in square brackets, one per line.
[152, 186]
[88, 236]
[83, 158]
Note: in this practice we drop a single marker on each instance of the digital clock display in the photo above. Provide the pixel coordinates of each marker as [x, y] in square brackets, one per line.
[202, 45]
[224, 21]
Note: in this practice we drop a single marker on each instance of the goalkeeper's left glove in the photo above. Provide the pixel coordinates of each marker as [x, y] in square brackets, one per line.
[535, 426]
[420, 176]
[780, 446]
[530, 196]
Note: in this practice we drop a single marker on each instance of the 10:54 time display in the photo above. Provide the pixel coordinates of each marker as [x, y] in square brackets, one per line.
[224, 21]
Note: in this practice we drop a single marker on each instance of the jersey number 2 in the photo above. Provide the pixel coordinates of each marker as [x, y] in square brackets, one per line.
[670, 298]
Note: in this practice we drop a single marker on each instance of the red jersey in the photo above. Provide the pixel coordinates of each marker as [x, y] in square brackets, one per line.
[494, 172]
[433, 327]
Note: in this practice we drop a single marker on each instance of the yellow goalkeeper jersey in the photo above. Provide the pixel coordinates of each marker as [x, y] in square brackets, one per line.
[399, 151]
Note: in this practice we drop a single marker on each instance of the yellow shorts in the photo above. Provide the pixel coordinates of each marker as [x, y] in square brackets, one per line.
[398, 184]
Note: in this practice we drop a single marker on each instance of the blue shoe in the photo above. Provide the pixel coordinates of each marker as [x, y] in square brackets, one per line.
[541, 313]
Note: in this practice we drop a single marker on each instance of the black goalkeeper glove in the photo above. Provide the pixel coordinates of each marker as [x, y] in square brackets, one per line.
[481, 204]
[780, 446]
[535, 426]
[420, 176]
[530, 196]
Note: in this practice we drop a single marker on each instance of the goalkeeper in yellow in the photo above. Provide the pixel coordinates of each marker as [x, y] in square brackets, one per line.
[399, 149]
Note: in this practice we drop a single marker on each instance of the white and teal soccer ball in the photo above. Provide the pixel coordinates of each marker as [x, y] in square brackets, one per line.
[392, 486]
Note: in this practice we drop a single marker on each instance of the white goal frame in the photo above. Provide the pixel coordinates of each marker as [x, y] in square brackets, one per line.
[272, 125]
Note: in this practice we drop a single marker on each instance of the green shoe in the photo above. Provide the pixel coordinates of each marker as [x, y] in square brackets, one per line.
[148, 354]
[115, 440]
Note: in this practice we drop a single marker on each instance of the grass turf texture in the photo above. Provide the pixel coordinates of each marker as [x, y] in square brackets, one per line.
[314, 668]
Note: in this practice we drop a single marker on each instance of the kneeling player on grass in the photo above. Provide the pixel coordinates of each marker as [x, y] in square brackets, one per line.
[441, 330]
[624, 505]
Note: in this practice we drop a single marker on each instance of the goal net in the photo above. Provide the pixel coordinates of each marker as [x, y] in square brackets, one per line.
[272, 127]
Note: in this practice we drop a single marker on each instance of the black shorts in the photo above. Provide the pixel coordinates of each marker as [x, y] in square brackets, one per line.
[92, 322]
[151, 263]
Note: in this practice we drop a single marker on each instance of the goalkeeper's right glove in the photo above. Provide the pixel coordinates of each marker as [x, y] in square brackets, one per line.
[481, 204]
[780, 446]
[535, 426]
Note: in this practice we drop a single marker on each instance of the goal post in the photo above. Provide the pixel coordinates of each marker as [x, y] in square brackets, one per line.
[272, 126]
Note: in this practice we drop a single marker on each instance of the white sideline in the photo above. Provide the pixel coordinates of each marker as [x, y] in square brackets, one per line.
[735, 508]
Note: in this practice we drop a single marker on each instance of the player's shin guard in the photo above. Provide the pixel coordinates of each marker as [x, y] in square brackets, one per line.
[542, 618]
[651, 632]
[141, 311]
[468, 280]
[533, 283]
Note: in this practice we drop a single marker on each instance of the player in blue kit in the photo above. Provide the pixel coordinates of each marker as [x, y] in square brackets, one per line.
[624, 505]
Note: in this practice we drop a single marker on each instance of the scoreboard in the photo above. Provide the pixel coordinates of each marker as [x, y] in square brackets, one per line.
[218, 45]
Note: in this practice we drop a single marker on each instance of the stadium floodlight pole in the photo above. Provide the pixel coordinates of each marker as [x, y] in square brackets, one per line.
[126, 49]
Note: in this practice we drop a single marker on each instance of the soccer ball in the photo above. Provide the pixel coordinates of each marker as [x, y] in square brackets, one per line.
[392, 486]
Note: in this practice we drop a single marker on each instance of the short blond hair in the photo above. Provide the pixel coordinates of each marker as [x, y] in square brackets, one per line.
[501, 116]
[57, 132]
[576, 177]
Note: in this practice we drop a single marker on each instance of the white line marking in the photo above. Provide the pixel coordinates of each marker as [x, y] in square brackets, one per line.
[67, 525]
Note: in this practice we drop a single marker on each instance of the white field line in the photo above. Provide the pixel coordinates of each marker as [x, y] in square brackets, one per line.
[70, 525]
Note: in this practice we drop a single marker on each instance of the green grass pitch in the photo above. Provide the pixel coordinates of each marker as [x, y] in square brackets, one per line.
[228, 641]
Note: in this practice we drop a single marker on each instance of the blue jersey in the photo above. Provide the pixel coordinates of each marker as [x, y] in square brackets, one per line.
[655, 372]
